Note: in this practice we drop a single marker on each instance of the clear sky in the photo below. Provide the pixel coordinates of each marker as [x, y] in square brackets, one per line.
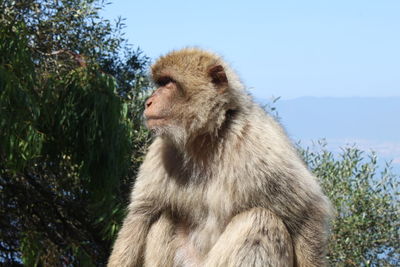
[280, 48]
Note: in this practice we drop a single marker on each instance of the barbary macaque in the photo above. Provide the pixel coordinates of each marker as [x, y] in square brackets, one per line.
[221, 184]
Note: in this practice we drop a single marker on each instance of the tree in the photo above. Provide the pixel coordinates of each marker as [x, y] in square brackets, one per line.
[69, 88]
[365, 230]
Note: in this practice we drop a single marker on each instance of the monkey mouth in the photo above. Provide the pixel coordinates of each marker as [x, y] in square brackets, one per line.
[154, 117]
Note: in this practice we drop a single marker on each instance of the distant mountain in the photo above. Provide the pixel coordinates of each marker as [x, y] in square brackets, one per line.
[354, 118]
[371, 123]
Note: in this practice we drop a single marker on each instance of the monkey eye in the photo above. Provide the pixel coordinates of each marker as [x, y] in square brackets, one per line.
[163, 81]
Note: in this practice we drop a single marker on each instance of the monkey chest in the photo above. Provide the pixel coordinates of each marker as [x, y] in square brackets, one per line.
[195, 241]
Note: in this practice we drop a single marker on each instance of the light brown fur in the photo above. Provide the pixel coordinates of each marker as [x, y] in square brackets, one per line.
[221, 185]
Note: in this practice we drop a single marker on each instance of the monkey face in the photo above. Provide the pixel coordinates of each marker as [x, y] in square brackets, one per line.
[191, 96]
[159, 109]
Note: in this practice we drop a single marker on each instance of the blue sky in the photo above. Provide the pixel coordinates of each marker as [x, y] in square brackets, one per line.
[292, 49]
[280, 48]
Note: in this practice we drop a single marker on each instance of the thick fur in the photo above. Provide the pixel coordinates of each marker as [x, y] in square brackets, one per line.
[222, 185]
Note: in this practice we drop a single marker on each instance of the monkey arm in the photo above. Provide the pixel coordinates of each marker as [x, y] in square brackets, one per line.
[256, 237]
[144, 209]
[161, 242]
[129, 245]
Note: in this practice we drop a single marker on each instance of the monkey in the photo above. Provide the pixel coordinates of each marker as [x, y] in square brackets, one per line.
[221, 184]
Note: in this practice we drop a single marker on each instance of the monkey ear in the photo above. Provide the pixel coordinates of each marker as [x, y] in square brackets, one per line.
[218, 75]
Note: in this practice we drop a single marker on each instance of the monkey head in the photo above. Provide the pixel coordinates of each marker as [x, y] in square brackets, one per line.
[193, 94]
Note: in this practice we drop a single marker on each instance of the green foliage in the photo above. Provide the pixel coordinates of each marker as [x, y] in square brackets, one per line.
[70, 94]
[365, 230]
[20, 141]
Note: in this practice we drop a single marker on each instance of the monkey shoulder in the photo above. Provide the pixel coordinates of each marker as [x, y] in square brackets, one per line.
[256, 136]
[262, 161]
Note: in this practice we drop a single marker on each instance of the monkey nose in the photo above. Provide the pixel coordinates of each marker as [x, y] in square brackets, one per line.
[148, 103]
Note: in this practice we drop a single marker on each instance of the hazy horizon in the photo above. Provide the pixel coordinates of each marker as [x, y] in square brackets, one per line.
[371, 124]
